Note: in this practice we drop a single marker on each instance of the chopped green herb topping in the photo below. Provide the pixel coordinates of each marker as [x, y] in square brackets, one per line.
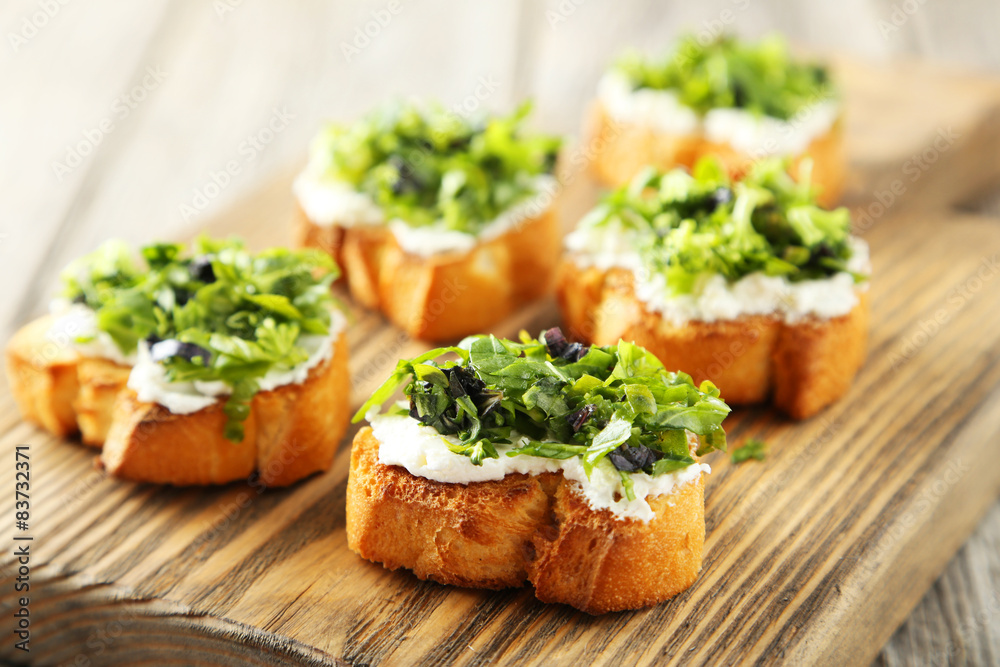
[215, 312]
[753, 449]
[615, 402]
[726, 73]
[688, 225]
[426, 165]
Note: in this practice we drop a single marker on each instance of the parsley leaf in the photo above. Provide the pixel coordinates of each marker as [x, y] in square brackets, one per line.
[753, 449]
[686, 226]
[426, 166]
[727, 73]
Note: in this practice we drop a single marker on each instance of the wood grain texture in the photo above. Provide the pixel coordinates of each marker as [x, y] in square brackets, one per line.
[958, 620]
[812, 557]
[226, 71]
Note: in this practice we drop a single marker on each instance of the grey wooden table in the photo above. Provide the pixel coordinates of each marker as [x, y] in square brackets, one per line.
[117, 119]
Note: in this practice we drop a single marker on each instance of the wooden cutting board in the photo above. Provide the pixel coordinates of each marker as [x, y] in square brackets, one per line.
[812, 556]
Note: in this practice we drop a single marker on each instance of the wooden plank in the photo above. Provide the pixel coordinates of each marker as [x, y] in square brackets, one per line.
[958, 621]
[959, 618]
[938, 165]
[836, 535]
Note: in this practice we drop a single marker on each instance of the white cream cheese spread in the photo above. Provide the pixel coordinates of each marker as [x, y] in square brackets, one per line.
[753, 134]
[327, 202]
[74, 320]
[422, 451]
[713, 297]
[148, 378]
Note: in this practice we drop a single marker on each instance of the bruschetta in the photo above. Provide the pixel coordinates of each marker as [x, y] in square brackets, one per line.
[191, 366]
[573, 468]
[738, 101]
[749, 284]
[446, 224]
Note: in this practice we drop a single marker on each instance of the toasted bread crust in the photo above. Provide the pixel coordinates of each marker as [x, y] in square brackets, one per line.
[523, 528]
[802, 367]
[100, 383]
[148, 443]
[299, 426]
[445, 296]
[625, 148]
[43, 378]
[292, 431]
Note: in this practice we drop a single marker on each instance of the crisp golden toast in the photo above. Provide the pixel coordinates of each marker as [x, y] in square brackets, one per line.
[523, 529]
[292, 431]
[43, 377]
[625, 148]
[801, 367]
[444, 296]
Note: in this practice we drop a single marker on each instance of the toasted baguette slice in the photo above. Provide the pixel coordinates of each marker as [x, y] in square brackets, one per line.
[57, 388]
[43, 379]
[299, 426]
[802, 367]
[445, 296]
[625, 148]
[523, 528]
[100, 383]
[293, 431]
[148, 443]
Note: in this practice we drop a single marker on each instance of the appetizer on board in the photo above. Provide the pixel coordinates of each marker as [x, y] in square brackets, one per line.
[738, 101]
[444, 223]
[572, 467]
[191, 365]
[749, 284]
